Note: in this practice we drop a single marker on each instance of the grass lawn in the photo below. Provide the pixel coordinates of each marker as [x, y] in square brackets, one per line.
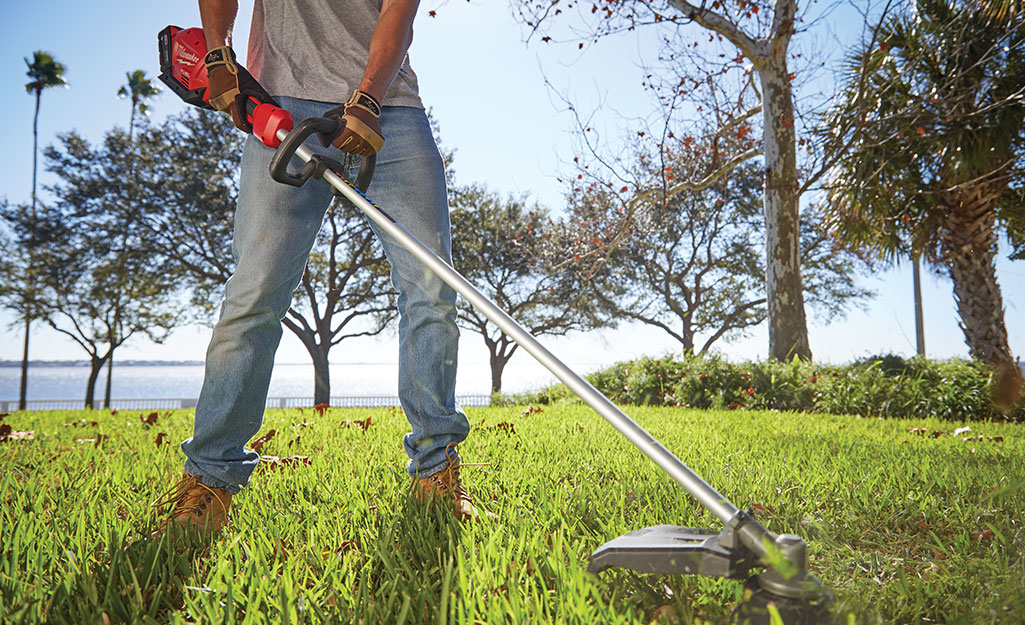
[906, 521]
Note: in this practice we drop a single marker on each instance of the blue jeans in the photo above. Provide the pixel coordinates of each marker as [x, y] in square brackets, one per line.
[275, 228]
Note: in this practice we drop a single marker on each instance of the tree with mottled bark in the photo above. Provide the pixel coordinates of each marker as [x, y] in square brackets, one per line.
[759, 33]
[691, 263]
[928, 139]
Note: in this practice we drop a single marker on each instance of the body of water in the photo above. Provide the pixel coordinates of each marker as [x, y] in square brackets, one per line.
[288, 380]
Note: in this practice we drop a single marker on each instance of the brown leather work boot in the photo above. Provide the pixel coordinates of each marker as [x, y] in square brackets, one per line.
[447, 485]
[196, 507]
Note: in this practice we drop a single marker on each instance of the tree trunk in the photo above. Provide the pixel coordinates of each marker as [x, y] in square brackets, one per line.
[788, 328]
[35, 149]
[498, 362]
[22, 394]
[110, 374]
[23, 391]
[96, 366]
[916, 264]
[687, 335]
[321, 377]
[980, 303]
[110, 354]
[131, 120]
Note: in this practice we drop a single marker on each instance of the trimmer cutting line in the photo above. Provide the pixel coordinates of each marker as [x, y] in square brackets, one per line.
[785, 583]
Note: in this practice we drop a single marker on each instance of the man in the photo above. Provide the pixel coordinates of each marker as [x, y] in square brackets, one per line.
[310, 56]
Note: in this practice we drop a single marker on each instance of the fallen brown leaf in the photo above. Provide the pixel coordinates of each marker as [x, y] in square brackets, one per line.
[925, 432]
[992, 439]
[983, 535]
[258, 443]
[667, 612]
[504, 426]
[7, 433]
[363, 425]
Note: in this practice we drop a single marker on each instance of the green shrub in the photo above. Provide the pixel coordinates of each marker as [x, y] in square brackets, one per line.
[881, 386]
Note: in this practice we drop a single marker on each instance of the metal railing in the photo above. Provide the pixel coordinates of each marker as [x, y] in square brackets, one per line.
[344, 401]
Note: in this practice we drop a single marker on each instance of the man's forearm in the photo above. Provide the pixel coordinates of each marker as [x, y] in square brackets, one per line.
[218, 17]
[388, 46]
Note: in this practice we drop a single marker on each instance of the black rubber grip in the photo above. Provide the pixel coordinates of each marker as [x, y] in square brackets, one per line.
[315, 167]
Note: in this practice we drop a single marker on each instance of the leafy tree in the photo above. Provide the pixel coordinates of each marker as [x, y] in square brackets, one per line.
[345, 291]
[500, 246]
[191, 192]
[45, 73]
[19, 277]
[739, 32]
[138, 89]
[692, 265]
[102, 274]
[927, 137]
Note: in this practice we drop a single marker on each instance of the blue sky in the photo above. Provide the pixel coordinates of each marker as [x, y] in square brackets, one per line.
[486, 88]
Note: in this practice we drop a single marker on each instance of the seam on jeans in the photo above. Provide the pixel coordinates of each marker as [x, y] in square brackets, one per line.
[418, 395]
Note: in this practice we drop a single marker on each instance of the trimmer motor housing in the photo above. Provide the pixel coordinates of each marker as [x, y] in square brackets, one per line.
[182, 68]
[181, 64]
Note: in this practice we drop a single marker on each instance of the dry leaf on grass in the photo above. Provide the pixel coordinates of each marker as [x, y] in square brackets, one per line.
[7, 433]
[258, 443]
[363, 425]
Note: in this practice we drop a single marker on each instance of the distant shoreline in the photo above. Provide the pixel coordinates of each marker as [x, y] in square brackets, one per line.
[152, 363]
[85, 363]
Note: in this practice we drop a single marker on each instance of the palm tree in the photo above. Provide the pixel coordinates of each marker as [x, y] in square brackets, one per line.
[139, 88]
[928, 131]
[44, 73]
[1002, 9]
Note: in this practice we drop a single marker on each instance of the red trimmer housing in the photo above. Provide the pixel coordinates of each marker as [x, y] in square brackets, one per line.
[181, 64]
[183, 71]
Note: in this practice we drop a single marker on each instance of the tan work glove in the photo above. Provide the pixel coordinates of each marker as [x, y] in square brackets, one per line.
[232, 88]
[361, 133]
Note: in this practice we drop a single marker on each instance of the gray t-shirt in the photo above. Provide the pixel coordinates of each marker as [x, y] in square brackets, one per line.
[318, 49]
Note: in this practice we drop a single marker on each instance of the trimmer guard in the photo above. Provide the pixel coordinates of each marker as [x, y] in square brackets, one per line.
[674, 550]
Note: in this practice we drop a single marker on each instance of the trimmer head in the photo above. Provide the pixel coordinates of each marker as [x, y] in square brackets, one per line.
[761, 606]
[793, 594]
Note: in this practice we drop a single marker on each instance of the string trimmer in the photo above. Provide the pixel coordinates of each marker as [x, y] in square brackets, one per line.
[784, 586]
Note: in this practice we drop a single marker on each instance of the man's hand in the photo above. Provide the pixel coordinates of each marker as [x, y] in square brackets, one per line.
[231, 86]
[361, 133]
